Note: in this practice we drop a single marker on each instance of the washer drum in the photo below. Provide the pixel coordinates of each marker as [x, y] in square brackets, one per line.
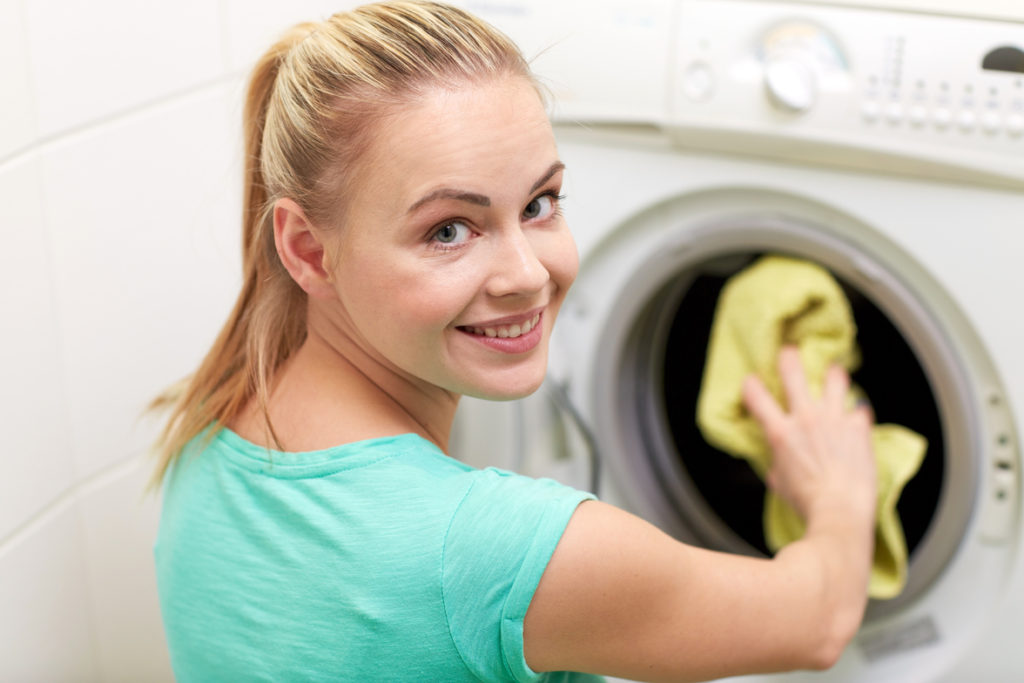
[637, 391]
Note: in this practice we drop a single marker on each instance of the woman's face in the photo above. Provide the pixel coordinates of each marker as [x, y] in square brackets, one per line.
[454, 257]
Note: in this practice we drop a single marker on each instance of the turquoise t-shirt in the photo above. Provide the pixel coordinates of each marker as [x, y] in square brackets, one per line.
[382, 560]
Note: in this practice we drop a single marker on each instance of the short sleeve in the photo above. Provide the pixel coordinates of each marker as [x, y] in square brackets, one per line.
[498, 545]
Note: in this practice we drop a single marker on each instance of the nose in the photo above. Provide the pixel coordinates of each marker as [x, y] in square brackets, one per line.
[517, 267]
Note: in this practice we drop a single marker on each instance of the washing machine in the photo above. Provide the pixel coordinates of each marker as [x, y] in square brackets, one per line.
[883, 141]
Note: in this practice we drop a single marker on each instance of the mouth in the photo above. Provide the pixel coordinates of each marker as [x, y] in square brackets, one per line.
[511, 331]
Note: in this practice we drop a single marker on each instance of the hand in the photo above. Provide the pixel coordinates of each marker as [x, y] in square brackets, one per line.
[822, 452]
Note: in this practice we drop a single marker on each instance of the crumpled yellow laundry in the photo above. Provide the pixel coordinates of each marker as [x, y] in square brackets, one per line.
[776, 301]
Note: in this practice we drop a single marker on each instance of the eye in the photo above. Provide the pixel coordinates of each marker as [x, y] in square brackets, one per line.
[451, 233]
[543, 206]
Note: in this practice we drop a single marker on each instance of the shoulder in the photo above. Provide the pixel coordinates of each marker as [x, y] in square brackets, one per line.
[499, 541]
[498, 495]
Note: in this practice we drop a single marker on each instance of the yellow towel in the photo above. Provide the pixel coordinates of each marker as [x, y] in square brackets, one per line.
[777, 301]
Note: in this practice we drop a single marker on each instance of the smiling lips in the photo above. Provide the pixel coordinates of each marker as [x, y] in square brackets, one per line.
[513, 338]
[505, 331]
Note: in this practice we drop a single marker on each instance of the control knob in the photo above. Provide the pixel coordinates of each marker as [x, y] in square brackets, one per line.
[790, 83]
[795, 56]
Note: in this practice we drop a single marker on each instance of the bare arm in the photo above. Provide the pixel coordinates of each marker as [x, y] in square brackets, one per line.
[620, 597]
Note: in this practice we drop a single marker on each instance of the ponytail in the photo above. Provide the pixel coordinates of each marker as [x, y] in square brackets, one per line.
[268, 321]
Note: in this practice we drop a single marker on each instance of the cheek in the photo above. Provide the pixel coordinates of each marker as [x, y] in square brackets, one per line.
[423, 300]
[561, 258]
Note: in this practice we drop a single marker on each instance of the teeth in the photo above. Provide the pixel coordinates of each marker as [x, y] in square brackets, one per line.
[507, 331]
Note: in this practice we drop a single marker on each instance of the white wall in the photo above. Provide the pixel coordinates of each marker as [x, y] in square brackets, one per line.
[120, 202]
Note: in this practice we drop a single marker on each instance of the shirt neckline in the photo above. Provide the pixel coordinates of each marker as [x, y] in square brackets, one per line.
[297, 464]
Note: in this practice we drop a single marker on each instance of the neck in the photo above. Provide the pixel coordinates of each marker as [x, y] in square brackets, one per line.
[332, 391]
[358, 377]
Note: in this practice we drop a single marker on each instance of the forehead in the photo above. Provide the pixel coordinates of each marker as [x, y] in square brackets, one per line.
[473, 135]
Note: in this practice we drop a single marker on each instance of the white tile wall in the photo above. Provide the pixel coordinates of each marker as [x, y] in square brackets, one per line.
[251, 26]
[91, 59]
[143, 220]
[119, 526]
[119, 178]
[44, 605]
[37, 464]
[17, 119]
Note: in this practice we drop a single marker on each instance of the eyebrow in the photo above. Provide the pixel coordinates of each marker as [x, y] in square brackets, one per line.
[447, 193]
[479, 199]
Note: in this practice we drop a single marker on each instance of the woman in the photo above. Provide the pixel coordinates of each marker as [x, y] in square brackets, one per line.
[403, 245]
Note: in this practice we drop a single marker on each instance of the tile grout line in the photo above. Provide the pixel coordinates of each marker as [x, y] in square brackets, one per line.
[67, 498]
[41, 143]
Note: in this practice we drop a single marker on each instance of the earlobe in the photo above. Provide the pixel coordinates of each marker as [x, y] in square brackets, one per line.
[300, 248]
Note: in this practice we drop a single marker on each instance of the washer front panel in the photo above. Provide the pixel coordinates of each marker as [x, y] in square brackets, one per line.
[627, 258]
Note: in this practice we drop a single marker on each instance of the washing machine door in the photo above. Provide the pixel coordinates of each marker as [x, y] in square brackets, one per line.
[630, 350]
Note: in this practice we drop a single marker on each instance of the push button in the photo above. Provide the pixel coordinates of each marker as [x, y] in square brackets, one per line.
[991, 122]
[894, 113]
[698, 82]
[918, 116]
[967, 121]
[870, 111]
[1015, 125]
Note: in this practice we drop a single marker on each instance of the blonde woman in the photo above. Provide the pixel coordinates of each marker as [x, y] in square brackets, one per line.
[404, 245]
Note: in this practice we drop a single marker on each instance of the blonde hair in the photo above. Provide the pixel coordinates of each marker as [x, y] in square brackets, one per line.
[312, 101]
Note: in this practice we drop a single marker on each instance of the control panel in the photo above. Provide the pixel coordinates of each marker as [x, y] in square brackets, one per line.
[944, 91]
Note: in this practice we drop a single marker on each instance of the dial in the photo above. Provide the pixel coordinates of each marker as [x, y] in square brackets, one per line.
[790, 83]
[795, 56]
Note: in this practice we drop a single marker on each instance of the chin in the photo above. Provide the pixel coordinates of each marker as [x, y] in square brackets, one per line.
[508, 391]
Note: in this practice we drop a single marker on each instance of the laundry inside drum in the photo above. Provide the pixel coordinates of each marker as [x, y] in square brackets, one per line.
[729, 490]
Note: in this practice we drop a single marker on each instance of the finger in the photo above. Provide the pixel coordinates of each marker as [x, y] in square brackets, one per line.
[794, 380]
[837, 384]
[864, 412]
[760, 402]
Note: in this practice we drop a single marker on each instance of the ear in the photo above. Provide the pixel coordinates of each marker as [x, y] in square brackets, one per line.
[300, 248]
